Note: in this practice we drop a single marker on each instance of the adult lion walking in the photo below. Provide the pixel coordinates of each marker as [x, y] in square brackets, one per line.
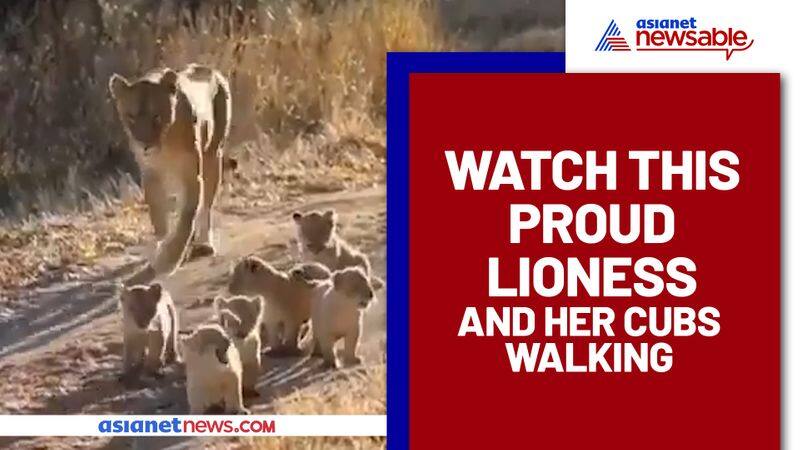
[177, 124]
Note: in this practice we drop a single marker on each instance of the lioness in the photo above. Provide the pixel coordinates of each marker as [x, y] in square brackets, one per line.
[177, 124]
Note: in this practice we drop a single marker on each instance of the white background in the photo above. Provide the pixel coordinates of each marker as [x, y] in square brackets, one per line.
[774, 26]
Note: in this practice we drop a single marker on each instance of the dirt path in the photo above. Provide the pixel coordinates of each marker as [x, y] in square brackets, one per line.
[60, 349]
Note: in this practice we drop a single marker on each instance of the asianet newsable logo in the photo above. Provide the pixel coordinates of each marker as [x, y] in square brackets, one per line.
[675, 35]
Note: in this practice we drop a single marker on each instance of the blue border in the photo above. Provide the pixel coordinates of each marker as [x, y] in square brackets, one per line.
[399, 66]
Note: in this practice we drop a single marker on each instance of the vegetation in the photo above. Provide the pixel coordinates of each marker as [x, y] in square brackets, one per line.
[296, 68]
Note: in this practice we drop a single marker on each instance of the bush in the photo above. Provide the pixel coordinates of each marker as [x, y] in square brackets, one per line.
[294, 66]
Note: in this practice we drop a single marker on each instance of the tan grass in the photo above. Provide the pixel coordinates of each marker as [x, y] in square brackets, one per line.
[59, 246]
[355, 391]
[294, 70]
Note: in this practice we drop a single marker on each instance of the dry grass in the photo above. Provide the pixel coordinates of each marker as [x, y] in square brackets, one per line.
[294, 70]
[313, 163]
[319, 443]
[538, 39]
[365, 387]
[357, 391]
[58, 244]
[53, 247]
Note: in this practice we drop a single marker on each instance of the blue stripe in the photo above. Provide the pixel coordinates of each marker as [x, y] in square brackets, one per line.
[398, 71]
[608, 31]
[602, 43]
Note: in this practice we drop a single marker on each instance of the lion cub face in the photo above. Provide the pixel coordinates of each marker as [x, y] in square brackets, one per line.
[209, 338]
[239, 316]
[315, 230]
[146, 108]
[354, 284]
[140, 303]
[251, 275]
[309, 275]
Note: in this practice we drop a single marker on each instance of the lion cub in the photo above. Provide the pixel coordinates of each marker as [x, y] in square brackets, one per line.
[240, 317]
[318, 241]
[213, 372]
[338, 313]
[150, 329]
[287, 297]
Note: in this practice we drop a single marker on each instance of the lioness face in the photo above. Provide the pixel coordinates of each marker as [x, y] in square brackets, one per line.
[315, 230]
[141, 302]
[146, 108]
[355, 285]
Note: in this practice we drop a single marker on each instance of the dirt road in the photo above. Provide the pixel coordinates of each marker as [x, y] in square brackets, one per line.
[60, 348]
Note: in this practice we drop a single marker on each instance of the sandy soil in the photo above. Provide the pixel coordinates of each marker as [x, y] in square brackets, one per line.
[60, 345]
